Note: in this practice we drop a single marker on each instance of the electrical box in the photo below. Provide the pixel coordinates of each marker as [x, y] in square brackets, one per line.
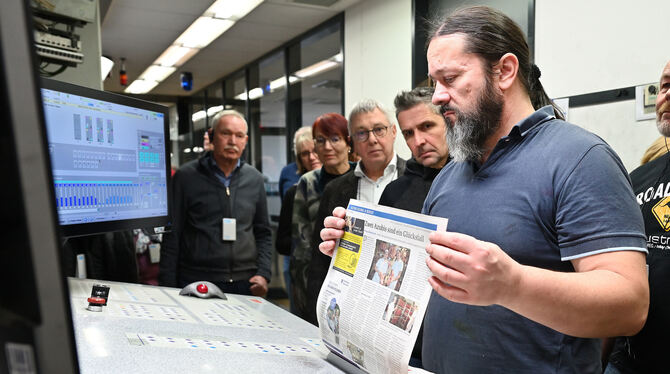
[81, 10]
[650, 92]
[645, 101]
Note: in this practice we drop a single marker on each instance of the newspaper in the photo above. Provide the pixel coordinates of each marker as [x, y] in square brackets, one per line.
[376, 291]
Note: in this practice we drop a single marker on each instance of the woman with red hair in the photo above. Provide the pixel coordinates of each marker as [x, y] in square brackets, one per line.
[331, 142]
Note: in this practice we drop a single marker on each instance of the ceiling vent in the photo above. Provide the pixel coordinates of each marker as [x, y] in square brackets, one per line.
[321, 3]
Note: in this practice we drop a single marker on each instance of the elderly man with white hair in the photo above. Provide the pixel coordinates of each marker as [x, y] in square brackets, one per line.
[220, 230]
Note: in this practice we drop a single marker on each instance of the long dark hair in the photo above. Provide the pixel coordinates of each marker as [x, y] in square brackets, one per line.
[490, 34]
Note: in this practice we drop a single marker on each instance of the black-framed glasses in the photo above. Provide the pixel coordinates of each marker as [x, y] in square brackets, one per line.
[320, 141]
[363, 135]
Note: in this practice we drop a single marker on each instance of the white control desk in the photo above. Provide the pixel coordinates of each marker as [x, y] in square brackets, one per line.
[147, 329]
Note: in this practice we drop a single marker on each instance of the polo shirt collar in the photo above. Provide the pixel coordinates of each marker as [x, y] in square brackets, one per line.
[215, 168]
[527, 124]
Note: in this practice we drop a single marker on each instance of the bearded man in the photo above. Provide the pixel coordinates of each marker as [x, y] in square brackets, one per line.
[545, 252]
[645, 352]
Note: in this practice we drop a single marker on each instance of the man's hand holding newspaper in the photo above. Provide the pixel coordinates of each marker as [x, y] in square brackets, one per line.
[376, 291]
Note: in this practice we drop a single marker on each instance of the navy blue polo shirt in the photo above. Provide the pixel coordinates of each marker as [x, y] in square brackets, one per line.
[550, 192]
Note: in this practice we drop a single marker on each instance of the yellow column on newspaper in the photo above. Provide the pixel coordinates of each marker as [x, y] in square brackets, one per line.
[348, 253]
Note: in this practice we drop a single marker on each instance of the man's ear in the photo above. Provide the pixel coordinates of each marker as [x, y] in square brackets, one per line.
[507, 69]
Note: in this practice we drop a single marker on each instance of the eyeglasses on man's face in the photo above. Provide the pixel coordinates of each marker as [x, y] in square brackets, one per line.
[363, 135]
[320, 141]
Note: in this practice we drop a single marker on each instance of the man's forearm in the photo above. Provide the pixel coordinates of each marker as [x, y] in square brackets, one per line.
[594, 304]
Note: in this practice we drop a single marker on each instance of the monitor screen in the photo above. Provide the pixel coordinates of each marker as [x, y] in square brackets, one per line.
[109, 158]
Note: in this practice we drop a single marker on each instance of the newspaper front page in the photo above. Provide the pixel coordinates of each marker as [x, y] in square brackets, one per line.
[375, 294]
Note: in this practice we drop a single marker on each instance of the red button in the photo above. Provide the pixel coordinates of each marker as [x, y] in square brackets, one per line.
[96, 300]
[202, 288]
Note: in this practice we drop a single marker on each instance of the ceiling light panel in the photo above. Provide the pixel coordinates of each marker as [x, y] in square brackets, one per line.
[175, 56]
[157, 73]
[203, 31]
[218, 18]
[255, 93]
[232, 9]
[213, 110]
[140, 86]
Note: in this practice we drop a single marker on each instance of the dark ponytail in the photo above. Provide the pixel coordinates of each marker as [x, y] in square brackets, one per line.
[538, 96]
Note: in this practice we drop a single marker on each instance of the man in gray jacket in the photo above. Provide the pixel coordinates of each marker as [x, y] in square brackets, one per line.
[220, 229]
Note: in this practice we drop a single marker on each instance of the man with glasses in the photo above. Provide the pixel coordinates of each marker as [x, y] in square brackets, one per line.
[373, 135]
[220, 231]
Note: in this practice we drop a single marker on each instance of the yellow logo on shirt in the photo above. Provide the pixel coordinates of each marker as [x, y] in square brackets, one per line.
[662, 213]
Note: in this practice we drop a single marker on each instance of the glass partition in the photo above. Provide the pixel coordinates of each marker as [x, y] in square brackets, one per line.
[321, 73]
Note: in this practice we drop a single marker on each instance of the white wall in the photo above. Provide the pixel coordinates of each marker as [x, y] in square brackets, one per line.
[596, 45]
[615, 123]
[378, 55]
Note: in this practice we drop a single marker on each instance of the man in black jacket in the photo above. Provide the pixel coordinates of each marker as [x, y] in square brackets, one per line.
[424, 130]
[220, 229]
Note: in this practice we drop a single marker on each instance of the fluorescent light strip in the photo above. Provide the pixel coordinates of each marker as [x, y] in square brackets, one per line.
[175, 56]
[213, 110]
[203, 31]
[197, 116]
[255, 93]
[218, 18]
[319, 67]
[232, 9]
[281, 82]
[140, 86]
[314, 69]
[157, 73]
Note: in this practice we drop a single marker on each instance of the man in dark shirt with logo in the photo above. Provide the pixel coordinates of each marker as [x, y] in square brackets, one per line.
[646, 351]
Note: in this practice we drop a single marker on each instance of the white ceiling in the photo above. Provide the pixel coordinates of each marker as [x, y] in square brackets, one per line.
[140, 30]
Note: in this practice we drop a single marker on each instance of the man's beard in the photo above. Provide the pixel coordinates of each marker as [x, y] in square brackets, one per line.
[663, 126]
[467, 136]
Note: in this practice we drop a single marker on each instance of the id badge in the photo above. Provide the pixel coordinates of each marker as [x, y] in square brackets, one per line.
[155, 252]
[229, 229]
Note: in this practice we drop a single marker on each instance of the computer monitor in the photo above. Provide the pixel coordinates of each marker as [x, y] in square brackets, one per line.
[36, 329]
[110, 159]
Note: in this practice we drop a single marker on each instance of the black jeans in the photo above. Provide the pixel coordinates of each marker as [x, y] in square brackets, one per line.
[242, 287]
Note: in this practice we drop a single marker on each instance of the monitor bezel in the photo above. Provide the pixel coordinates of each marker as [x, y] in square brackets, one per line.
[82, 229]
